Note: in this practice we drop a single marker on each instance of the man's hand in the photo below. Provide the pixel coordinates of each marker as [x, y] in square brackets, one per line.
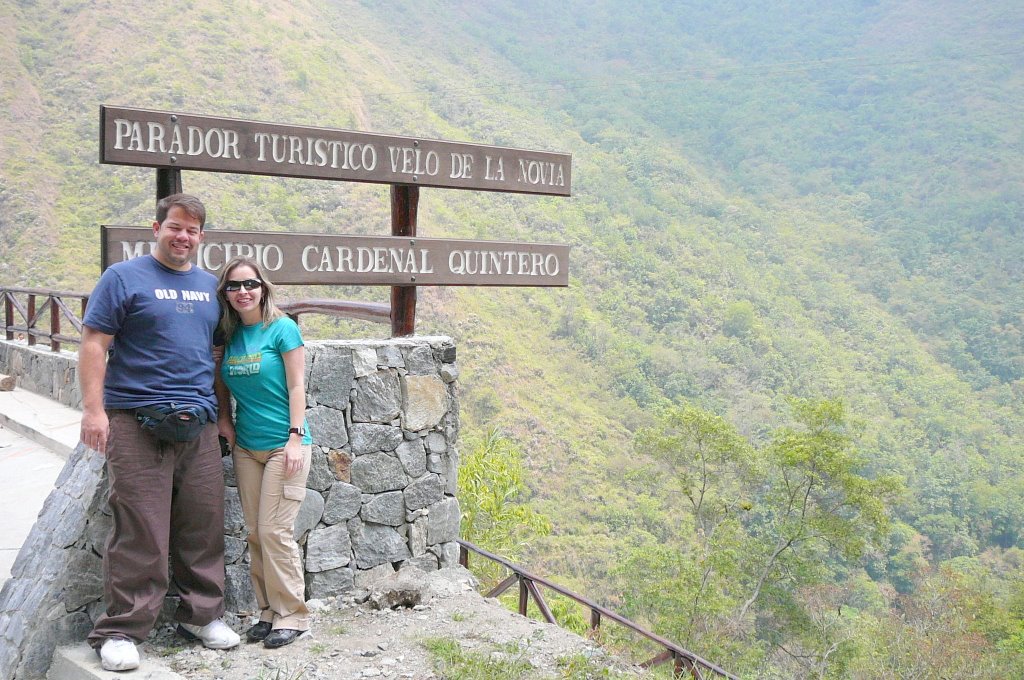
[92, 367]
[95, 429]
[226, 429]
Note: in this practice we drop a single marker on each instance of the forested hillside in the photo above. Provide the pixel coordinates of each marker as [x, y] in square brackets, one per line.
[778, 414]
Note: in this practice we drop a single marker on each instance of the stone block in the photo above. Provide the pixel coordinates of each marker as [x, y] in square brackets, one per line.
[374, 438]
[343, 503]
[375, 544]
[413, 457]
[327, 426]
[310, 512]
[328, 548]
[378, 398]
[331, 377]
[324, 584]
[423, 492]
[385, 508]
[424, 401]
[321, 477]
[378, 472]
[443, 521]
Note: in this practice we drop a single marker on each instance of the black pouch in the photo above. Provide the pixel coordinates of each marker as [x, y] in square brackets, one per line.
[172, 422]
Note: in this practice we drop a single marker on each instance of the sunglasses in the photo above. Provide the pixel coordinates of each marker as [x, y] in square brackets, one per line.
[249, 284]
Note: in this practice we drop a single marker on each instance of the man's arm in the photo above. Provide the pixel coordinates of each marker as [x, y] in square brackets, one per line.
[225, 426]
[92, 368]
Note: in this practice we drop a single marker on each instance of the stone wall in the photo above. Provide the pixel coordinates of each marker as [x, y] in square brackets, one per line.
[384, 419]
[50, 374]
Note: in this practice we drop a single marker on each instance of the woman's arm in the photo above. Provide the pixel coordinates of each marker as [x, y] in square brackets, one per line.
[294, 373]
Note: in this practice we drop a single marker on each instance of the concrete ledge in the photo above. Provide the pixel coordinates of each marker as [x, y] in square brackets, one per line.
[41, 419]
[79, 662]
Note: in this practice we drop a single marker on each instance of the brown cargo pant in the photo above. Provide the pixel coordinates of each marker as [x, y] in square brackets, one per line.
[167, 499]
[270, 503]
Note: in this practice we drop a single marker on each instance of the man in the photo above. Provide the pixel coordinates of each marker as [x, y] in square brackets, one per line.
[155, 317]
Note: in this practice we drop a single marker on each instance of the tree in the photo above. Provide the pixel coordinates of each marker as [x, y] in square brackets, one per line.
[492, 491]
[816, 499]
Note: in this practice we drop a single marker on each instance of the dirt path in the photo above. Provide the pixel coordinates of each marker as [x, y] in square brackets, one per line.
[349, 641]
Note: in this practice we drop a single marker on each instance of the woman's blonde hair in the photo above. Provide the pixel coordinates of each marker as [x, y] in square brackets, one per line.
[229, 318]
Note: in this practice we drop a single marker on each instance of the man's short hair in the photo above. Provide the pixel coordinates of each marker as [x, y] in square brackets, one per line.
[187, 202]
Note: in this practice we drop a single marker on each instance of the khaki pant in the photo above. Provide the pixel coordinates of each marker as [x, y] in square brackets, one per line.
[270, 503]
[166, 499]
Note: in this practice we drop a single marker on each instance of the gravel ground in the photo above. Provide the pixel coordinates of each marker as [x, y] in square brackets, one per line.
[349, 640]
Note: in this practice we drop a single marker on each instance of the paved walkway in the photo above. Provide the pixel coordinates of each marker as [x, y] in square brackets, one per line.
[36, 436]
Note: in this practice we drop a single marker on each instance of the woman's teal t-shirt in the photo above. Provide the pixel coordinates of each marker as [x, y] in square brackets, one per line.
[253, 369]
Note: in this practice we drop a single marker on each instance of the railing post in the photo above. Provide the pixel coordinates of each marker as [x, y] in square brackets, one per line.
[54, 325]
[29, 323]
[595, 620]
[463, 556]
[523, 594]
[8, 315]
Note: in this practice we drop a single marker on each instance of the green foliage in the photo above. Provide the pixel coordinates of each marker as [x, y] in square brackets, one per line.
[454, 663]
[492, 491]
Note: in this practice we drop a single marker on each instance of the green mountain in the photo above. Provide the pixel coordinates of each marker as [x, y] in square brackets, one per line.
[770, 201]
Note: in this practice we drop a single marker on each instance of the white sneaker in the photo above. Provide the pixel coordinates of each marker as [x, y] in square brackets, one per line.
[214, 635]
[118, 654]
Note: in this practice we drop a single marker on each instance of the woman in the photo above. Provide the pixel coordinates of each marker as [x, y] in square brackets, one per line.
[263, 366]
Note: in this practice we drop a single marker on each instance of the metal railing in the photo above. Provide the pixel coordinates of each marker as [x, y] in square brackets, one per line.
[34, 317]
[682, 659]
[35, 324]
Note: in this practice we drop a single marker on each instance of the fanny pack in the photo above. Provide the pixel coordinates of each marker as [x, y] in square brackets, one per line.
[172, 422]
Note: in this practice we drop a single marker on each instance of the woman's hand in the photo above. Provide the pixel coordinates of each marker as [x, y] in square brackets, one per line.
[293, 458]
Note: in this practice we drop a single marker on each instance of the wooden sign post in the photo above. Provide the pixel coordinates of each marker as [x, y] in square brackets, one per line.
[172, 142]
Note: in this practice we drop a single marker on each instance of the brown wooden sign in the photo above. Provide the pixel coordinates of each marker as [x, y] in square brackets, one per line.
[331, 259]
[184, 141]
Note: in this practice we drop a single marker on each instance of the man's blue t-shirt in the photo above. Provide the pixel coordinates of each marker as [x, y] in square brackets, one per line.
[253, 369]
[163, 323]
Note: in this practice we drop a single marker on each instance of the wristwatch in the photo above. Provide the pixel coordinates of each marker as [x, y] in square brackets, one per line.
[296, 430]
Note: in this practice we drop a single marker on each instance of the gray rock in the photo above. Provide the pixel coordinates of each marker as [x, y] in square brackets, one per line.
[443, 521]
[378, 472]
[343, 503]
[449, 373]
[328, 548]
[327, 426]
[310, 512]
[330, 583]
[234, 549]
[436, 443]
[424, 491]
[373, 438]
[239, 596]
[234, 519]
[228, 464]
[420, 361]
[365, 362]
[390, 356]
[331, 377]
[386, 508]
[367, 578]
[374, 544]
[378, 398]
[84, 580]
[413, 457]
[425, 562]
[320, 475]
[447, 554]
[418, 537]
